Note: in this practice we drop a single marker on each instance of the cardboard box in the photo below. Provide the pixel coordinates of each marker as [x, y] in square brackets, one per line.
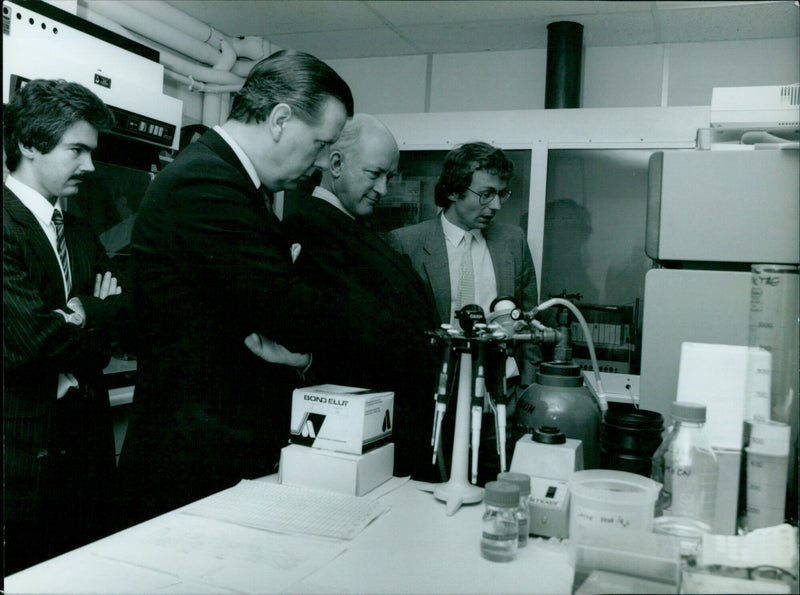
[356, 475]
[341, 418]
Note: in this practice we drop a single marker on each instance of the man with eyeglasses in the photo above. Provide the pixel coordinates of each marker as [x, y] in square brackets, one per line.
[467, 258]
[472, 188]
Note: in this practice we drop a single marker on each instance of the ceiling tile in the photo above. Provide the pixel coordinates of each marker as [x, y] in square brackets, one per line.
[362, 43]
[629, 28]
[742, 21]
[375, 28]
[479, 36]
[267, 17]
[413, 12]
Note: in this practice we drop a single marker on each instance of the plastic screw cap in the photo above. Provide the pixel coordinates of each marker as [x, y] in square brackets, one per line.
[548, 435]
[522, 481]
[501, 493]
[686, 411]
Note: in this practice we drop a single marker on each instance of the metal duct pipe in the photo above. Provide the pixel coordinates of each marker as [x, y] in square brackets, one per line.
[564, 55]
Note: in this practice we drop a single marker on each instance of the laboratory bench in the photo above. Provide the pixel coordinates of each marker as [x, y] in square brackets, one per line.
[414, 547]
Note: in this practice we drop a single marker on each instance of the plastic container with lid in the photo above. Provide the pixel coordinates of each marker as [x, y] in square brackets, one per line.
[605, 498]
[500, 530]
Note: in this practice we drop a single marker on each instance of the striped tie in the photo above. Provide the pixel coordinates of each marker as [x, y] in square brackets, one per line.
[61, 244]
[466, 285]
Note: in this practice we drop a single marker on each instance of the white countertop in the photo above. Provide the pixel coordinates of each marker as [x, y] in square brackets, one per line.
[413, 548]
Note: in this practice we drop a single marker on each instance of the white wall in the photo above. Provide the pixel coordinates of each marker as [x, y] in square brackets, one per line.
[627, 76]
[657, 75]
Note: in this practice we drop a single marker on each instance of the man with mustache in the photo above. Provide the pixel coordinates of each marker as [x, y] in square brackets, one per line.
[211, 268]
[385, 306]
[60, 303]
[464, 257]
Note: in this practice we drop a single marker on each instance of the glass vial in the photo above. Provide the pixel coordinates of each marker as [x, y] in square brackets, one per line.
[500, 531]
[687, 467]
[523, 512]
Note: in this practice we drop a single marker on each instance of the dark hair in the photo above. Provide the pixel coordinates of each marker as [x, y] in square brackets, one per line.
[40, 113]
[298, 79]
[462, 162]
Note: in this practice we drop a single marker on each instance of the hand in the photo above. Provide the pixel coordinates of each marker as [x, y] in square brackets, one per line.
[275, 353]
[106, 285]
[76, 314]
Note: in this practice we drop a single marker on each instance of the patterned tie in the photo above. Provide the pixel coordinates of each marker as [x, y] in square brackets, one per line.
[466, 284]
[61, 244]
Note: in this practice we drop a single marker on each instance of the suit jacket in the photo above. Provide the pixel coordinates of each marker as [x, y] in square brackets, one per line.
[511, 257]
[210, 266]
[53, 448]
[386, 310]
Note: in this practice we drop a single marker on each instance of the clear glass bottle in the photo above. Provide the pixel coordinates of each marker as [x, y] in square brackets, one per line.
[687, 467]
[523, 512]
[500, 530]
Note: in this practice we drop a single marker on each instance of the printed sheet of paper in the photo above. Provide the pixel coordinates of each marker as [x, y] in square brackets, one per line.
[223, 555]
[289, 509]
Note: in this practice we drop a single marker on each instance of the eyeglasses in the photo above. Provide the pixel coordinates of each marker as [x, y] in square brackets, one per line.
[486, 197]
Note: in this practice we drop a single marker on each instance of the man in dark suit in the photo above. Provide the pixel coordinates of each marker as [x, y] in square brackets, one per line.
[212, 268]
[59, 304]
[387, 307]
[464, 257]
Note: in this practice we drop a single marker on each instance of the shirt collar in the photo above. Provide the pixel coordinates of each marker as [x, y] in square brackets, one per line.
[248, 165]
[331, 198]
[33, 201]
[455, 234]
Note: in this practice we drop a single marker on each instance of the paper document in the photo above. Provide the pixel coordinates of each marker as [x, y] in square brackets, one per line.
[200, 552]
[288, 509]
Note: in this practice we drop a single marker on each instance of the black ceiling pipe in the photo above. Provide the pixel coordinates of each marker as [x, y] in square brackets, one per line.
[564, 55]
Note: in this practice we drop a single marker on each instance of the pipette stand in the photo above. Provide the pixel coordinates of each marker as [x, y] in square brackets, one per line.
[458, 490]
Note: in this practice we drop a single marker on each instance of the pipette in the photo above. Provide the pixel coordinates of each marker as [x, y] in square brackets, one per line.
[441, 397]
[500, 393]
[478, 397]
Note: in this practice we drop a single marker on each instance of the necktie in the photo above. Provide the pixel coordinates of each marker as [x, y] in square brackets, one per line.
[61, 244]
[466, 284]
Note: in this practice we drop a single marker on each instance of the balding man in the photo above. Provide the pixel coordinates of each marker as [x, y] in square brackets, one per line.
[376, 292]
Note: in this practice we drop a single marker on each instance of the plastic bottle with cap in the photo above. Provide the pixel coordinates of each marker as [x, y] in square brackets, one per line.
[500, 530]
[687, 467]
[523, 512]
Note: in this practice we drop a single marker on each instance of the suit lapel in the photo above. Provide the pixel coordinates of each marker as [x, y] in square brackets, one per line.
[27, 229]
[502, 261]
[259, 196]
[437, 267]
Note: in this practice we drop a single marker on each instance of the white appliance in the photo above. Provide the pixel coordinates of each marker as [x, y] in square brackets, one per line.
[42, 41]
[755, 107]
[724, 206]
[711, 214]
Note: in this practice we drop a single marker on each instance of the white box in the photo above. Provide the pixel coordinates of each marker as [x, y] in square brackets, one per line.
[336, 471]
[341, 418]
